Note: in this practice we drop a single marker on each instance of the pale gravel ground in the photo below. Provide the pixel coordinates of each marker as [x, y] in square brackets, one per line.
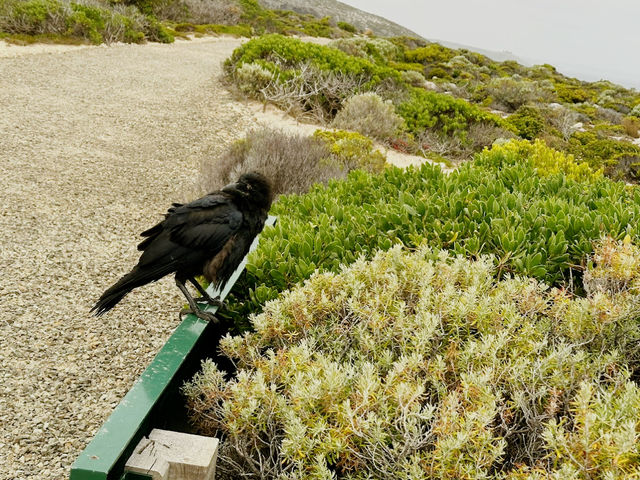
[94, 145]
[95, 142]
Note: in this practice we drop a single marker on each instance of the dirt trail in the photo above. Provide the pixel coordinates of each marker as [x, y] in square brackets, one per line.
[95, 142]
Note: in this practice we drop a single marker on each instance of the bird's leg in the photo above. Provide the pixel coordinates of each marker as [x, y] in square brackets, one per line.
[205, 296]
[193, 306]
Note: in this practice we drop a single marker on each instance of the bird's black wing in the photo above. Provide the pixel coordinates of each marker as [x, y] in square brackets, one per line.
[193, 224]
[203, 225]
[207, 228]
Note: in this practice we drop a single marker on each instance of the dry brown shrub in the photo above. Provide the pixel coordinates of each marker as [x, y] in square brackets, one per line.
[563, 119]
[312, 92]
[224, 12]
[631, 126]
[292, 162]
[454, 148]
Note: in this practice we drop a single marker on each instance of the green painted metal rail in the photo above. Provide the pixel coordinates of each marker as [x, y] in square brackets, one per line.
[150, 398]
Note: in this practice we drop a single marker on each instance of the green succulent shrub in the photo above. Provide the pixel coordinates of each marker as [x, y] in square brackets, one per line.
[308, 79]
[284, 53]
[419, 365]
[539, 225]
[527, 121]
[432, 110]
[602, 151]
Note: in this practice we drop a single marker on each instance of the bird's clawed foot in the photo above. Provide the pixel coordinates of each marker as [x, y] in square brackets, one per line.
[214, 302]
[201, 314]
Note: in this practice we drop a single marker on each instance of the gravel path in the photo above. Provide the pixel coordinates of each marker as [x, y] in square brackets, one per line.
[94, 145]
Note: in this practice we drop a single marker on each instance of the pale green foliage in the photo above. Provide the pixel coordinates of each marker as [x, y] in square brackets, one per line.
[252, 77]
[370, 115]
[459, 61]
[604, 439]
[413, 78]
[374, 49]
[511, 93]
[636, 111]
[421, 365]
[618, 268]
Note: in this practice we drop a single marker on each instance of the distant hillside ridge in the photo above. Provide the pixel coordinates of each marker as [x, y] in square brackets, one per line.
[343, 13]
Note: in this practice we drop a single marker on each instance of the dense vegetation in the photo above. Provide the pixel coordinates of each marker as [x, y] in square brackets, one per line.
[424, 365]
[134, 21]
[535, 209]
[468, 102]
[481, 324]
[409, 323]
[294, 162]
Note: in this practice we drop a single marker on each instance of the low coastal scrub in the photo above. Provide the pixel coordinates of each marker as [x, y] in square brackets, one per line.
[303, 78]
[293, 162]
[94, 22]
[619, 158]
[320, 81]
[369, 114]
[547, 104]
[508, 202]
[422, 364]
[134, 21]
[444, 113]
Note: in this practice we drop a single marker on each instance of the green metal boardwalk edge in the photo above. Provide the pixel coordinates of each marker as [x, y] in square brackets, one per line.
[105, 456]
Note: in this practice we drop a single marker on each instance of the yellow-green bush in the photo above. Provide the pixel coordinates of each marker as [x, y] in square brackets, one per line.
[422, 365]
[352, 150]
[545, 160]
[432, 53]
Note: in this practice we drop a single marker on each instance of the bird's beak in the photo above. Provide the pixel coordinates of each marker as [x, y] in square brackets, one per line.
[234, 188]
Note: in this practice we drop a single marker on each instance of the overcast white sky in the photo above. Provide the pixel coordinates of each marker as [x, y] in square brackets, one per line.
[590, 39]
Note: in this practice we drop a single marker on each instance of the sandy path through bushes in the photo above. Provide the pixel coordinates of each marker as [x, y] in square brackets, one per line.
[95, 142]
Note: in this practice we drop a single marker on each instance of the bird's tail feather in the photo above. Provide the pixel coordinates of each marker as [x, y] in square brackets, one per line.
[110, 298]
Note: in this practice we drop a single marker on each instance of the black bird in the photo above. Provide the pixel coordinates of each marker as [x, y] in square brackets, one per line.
[209, 236]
